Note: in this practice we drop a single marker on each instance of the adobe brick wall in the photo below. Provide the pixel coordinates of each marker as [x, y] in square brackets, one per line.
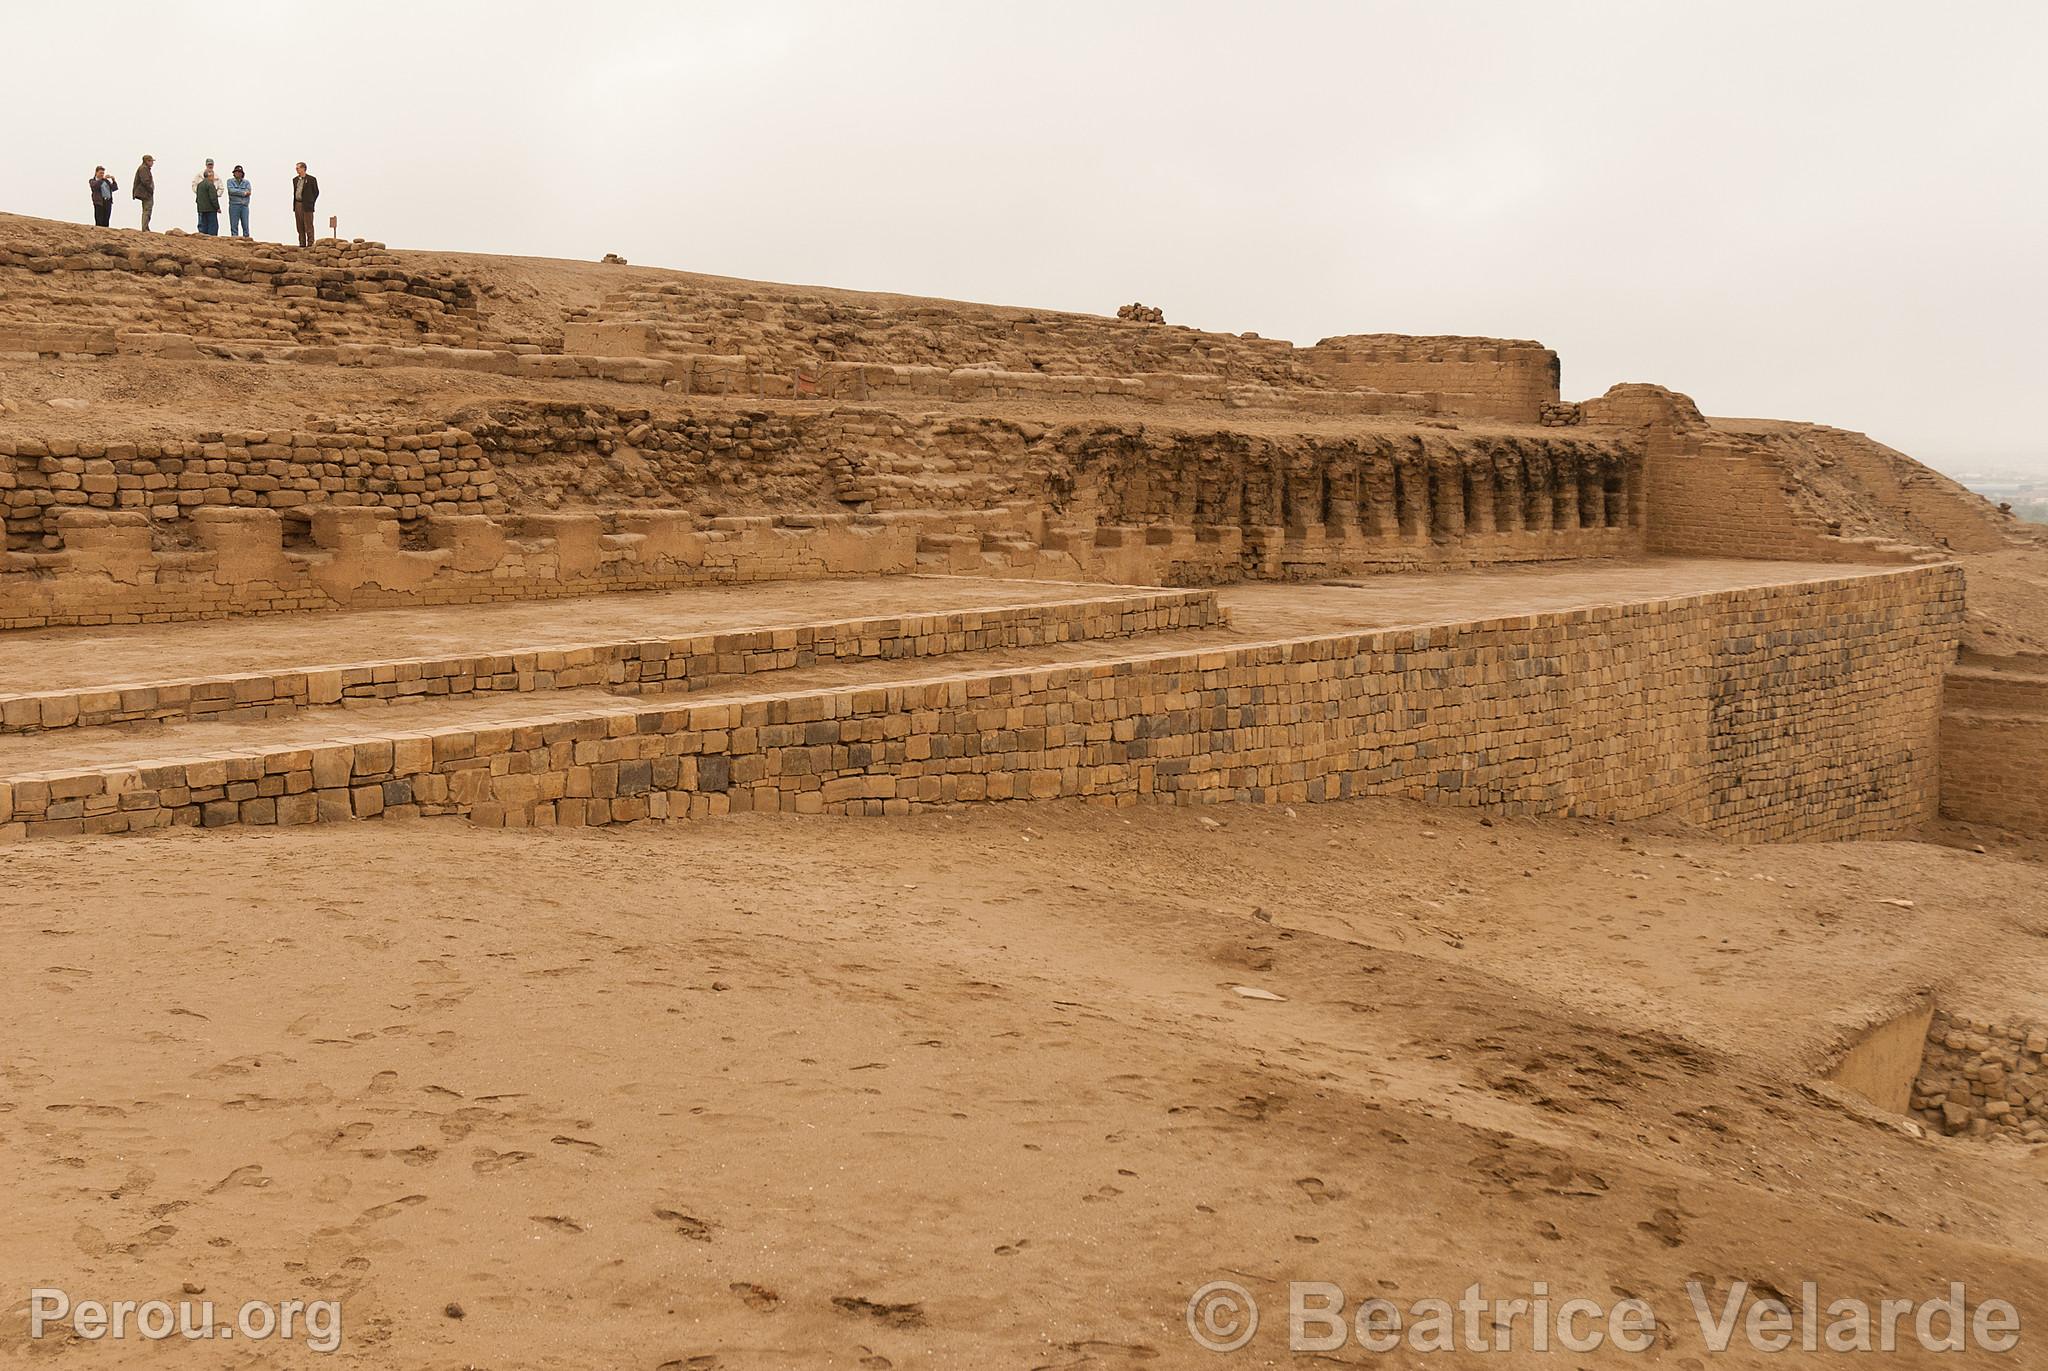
[1994, 745]
[1784, 712]
[1490, 378]
[630, 667]
[1717, 494]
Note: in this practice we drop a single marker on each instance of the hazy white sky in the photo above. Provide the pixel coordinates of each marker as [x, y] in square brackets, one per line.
[1827, 211]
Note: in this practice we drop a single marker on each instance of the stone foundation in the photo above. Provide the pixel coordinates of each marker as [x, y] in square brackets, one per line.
[1984, 1079]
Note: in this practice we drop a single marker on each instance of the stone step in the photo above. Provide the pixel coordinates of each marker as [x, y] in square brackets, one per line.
[1570, 690]
[685, 640]
[1989, 692]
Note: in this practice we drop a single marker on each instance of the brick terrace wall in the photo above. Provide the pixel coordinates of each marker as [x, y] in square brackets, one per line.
[628, 668]
[1994, 745]
[1792, 711]
[412, 469]
[1491, 378]
[1714, 494]
[195, 288]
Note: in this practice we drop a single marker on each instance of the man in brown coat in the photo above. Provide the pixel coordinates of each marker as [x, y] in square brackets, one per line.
[143, 188]
[305, 195]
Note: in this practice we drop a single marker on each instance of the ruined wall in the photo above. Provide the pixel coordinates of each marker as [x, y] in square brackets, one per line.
[1111, 499]
[1985, 1079]
[1716, 494]
[411, 469]
[108, 571]
[1792, 711]
[107, 286]
[1488, 378]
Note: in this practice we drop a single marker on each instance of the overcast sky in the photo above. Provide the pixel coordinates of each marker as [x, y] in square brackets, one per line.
[1826, 211]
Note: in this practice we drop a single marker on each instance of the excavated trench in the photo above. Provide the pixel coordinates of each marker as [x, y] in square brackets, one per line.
[1962, 1076]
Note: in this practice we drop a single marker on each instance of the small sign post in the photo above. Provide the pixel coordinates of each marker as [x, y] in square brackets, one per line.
[332, 220]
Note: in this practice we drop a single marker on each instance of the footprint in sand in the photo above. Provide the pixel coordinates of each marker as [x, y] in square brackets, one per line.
[689, 1225]
[758, 1298]
[377, 1213]
[1317, 1192]
[895, 1315]
[488, 1161]
[351, 1133]
[251, 1176]
[1012, 1248]
[559, 1222]
[1100, 1353]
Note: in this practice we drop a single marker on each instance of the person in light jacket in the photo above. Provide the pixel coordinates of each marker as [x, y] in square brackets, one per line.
[238, 205]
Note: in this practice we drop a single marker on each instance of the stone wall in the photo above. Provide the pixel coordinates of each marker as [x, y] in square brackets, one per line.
[642, 665]
[114, 286]
[1713, 493]
[1994, 743]
[108, 571]
[412, 469]
[92, 524]
[1985, 1079]
[1489, 378]
[1787, 712]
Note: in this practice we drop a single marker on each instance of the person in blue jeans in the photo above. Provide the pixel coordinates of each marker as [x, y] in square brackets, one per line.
[207, 195]
[238, 205]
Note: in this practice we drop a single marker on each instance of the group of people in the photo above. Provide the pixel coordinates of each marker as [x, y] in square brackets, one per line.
[210, 195]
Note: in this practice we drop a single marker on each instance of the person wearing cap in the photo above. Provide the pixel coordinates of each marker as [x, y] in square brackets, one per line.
[103, 188]
[207, 195]
[203, 174]
[238, 205]
[143, 188]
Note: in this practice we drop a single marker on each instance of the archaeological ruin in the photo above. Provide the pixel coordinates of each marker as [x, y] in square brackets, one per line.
[353, 534]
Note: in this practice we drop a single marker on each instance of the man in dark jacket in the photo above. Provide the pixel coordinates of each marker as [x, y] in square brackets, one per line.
[208, 196]
[103, 189]
[143, 188]
[305, 195]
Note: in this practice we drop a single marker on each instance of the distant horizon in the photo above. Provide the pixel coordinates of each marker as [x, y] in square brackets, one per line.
[1810, 215]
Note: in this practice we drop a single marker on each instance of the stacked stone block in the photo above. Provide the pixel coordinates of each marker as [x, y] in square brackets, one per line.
[412, 469]
[1984, 1078]
[1612, 712]
[228, 290]
[639, 666]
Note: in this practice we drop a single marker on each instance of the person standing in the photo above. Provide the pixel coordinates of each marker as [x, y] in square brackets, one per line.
[143, 188]
[103, 188]
[305, 195]
[207, 195]
[204, 173]
[238, 205]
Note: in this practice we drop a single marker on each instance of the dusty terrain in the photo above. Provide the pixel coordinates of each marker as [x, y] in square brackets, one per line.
[975, 1088]
[991, 1086]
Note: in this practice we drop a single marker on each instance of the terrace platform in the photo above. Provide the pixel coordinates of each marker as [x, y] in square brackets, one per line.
[1575, 687]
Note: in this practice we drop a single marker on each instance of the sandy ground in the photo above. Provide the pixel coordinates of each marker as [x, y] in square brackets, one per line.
[975, 1089]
